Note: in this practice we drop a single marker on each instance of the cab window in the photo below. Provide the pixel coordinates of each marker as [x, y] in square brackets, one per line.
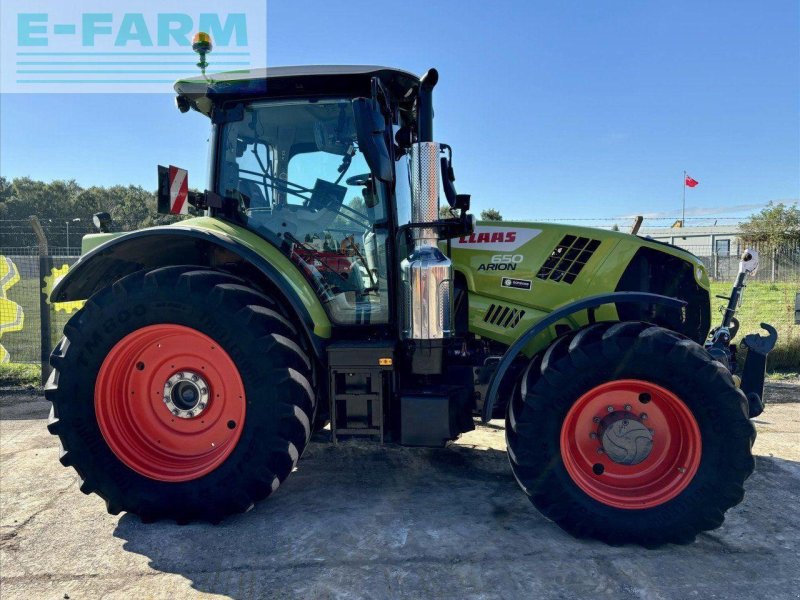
[299, 179]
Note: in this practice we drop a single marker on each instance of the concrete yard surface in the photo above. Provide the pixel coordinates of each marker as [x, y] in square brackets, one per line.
[359, 520]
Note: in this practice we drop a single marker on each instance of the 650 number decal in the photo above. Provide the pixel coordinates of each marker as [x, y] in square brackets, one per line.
[502, 262]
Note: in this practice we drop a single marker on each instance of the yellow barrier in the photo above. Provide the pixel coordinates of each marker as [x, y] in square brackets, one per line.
[12, 318]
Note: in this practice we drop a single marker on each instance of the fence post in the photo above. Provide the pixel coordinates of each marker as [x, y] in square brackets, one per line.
[774, 253]
[45, 266]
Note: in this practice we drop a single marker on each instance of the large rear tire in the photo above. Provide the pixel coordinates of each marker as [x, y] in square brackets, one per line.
[630, 433]
[181, 393]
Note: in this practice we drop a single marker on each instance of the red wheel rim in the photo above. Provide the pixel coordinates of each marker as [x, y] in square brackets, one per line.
[672, 460]
[135, 411]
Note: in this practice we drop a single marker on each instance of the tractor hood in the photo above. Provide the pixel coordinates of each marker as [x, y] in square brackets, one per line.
[516, 272]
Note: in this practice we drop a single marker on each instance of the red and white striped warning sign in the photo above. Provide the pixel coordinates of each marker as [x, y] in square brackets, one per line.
[178, 191]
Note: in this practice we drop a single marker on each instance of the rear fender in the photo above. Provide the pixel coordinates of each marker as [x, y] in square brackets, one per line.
[260, 263]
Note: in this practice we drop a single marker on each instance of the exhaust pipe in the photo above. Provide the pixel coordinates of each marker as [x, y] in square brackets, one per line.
[426, 274]
[425, 105]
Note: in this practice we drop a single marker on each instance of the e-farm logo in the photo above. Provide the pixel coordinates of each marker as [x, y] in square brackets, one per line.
[110, 46]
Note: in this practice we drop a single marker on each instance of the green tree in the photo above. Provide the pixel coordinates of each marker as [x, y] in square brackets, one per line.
[349, 221]
[772, 229]
[5, 196]
[46, 200]
[491, 214]
[773, 226]
[62, 204]
[5, 189]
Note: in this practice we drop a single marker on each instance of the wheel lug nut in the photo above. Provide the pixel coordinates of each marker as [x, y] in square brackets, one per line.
[593, 436]
[628, 407]
[643, 416]
[600, 451]
[596, 420]
[610, 409]
[194, 377]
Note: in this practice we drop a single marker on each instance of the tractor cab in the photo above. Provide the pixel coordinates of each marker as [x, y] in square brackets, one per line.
[319, 162]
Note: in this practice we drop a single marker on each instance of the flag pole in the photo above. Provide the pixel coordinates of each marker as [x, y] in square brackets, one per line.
[683, 209]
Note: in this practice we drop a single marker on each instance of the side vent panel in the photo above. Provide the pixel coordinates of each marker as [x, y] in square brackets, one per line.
[568, 259]
[503, 316]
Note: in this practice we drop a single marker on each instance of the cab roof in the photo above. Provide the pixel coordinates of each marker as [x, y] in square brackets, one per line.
[298, 81]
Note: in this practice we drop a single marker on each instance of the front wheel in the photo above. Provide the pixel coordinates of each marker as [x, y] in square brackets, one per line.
[629, 432]
[181, 393]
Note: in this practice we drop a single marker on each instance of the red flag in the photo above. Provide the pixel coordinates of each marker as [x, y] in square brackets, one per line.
[691, 182]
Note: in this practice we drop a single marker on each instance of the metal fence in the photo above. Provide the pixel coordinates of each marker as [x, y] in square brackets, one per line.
[777, 265]
[63, 236]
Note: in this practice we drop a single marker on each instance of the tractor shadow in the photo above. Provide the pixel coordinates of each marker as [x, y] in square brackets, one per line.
[360, 520]
[22, 404]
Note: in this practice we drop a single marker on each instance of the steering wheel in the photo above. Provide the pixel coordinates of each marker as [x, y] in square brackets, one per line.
[362, 179]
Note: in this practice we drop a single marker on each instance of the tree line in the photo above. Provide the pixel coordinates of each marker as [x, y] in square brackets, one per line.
[131, 205]
[58, 203]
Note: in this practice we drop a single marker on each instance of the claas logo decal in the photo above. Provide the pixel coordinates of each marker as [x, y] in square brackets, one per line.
[496, 238]
[487, 238]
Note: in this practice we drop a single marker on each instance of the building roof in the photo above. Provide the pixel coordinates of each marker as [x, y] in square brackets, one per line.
[729, 229]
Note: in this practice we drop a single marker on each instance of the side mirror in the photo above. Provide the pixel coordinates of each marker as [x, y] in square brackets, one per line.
[102, 221]
[371, 133]
[173, 191]
[370, 199]
[455, 200]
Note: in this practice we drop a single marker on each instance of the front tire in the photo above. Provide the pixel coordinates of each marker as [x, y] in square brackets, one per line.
[181, 393]
[630, 433]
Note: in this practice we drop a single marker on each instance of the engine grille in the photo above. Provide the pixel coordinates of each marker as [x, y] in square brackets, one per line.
[568, 259]
[503, 316]
[657, 272]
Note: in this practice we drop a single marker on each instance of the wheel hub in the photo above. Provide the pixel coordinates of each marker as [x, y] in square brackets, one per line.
[186, 394]
[631, 444]
[625, 439]
[170, 402]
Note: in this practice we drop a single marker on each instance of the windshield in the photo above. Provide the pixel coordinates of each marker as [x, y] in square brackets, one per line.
[300, 181]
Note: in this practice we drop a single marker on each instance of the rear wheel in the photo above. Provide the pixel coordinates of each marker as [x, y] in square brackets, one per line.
[181, 393]
[628, 432]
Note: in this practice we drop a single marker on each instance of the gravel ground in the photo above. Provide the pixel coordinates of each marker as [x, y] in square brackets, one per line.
[360, 520]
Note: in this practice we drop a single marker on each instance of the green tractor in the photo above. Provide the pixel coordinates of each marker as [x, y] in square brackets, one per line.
[321, 288]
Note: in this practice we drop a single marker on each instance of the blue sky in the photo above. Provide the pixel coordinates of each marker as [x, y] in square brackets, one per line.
[556, 110]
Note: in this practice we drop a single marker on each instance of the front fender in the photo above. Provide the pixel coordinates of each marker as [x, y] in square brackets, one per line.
[589, 303]
[203, 242]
